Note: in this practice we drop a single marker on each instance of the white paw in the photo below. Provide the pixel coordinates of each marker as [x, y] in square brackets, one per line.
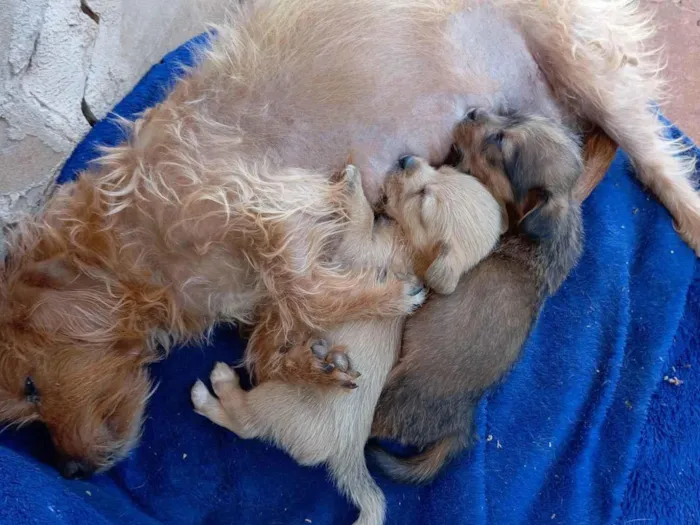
[200, 395]
[223, 373]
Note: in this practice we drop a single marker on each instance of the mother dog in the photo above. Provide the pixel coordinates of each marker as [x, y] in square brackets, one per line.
[164, 238]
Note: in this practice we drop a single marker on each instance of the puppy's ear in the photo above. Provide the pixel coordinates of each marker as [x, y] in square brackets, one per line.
[531, 202]
[535, 212]
[443, 274]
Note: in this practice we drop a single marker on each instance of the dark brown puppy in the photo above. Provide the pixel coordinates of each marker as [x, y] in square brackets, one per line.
[458, 345]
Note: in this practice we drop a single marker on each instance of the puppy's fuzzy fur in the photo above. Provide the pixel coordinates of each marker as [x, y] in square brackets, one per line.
[440, 208]
[458, 345]
[219, 200]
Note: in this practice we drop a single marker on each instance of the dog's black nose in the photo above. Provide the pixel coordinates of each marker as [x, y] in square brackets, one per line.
[471, 114]
[76, 469]
[407, 162]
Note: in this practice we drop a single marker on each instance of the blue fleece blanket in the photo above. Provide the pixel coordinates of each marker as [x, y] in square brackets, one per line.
[585, 429]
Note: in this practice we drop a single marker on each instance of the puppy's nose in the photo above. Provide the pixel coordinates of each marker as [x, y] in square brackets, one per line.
[407, 162]
[471, 114]
[76, 469]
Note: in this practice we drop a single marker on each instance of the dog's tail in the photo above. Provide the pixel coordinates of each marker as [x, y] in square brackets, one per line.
[422, 467]
[353, 479]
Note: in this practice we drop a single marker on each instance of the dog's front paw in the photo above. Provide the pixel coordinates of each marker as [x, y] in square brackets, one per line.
[335, 362]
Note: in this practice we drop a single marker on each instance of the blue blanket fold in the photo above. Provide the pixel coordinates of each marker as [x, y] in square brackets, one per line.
[584, 430]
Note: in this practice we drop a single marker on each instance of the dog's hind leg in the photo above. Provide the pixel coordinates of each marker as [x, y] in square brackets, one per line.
[660, 163]
[230, 409]
[350, 473]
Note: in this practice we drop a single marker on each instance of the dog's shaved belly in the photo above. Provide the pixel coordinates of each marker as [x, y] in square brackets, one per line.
[492, 67]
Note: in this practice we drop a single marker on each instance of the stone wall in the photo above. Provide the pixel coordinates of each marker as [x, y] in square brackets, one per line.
[64, 63]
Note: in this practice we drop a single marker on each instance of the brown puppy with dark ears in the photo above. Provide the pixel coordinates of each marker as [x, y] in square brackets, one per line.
[458, 345]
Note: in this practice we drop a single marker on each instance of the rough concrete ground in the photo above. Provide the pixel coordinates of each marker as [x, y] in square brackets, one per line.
[679, 33]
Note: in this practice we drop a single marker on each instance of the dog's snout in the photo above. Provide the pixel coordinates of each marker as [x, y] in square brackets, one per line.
[407, 162]
[76, 468]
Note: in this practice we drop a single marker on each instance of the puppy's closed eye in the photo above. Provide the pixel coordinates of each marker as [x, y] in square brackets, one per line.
[496, 139]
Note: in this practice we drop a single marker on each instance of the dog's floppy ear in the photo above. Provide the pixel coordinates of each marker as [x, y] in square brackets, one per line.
[532, 215]
[531, 202]
[443, 273]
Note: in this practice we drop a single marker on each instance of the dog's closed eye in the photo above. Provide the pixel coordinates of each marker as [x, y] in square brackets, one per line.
[31, 393]
[496, 139]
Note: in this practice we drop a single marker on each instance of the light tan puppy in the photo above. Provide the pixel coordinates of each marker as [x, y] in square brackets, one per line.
[441, 208]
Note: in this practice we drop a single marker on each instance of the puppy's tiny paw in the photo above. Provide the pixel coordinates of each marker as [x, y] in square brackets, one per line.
[200, 395]
[223, 373]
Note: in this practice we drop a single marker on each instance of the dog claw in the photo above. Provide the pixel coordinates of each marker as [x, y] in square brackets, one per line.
[349, 384]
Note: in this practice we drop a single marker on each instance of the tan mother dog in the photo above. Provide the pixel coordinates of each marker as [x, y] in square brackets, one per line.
[442, 209]
[213, 205]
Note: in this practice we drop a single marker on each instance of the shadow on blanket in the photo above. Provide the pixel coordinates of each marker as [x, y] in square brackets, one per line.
[584, 430]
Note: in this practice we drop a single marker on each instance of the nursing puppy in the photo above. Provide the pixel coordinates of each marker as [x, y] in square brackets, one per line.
[458, 345]
[442, 211]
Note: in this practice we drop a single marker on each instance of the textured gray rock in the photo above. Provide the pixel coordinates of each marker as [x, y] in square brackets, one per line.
[63, 63]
